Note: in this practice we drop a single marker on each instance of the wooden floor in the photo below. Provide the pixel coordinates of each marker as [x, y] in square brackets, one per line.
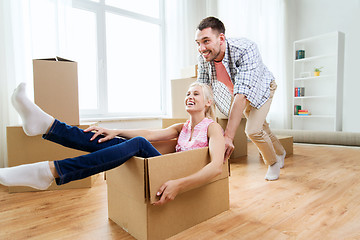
[316, 197]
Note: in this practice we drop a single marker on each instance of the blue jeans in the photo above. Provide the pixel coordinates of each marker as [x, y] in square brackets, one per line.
[102, 157]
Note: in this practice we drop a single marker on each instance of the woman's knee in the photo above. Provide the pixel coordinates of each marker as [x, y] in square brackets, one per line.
[140, 140]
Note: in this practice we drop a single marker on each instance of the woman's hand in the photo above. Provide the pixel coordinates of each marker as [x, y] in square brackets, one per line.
[168, 192]
[107, 133]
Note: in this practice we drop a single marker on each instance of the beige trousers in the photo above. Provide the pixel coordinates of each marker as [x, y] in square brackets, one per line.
[257, 129]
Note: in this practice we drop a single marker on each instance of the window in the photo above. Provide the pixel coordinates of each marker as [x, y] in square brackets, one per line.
[118, 46]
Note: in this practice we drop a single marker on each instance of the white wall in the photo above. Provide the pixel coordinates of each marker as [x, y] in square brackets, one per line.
[307, 18]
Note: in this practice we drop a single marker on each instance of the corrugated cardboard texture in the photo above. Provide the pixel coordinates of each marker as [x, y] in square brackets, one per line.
[161, 169]
[126, 196]
[179, 88]
[188, 209]
[23, 149]
[145, 221]
[56, 88]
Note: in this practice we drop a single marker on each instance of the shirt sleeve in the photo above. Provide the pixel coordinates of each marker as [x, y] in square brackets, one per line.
[247, 66]
[203, 71]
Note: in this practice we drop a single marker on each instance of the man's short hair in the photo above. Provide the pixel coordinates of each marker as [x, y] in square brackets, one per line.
[213, 23]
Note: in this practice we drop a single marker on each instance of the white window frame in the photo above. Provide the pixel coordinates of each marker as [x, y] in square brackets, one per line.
[100, 10]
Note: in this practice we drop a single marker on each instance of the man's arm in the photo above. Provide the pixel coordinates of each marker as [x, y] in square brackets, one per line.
[234, 120]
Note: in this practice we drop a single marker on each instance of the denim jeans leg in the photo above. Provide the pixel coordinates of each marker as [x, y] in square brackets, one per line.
[80, 167]
[76, 138]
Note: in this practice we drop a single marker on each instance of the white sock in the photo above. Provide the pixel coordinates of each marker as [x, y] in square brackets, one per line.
[35, 120]
[281, 159]
[37, 175]
[273, 172]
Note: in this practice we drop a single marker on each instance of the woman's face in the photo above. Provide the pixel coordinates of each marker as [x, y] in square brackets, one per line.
[195, 99]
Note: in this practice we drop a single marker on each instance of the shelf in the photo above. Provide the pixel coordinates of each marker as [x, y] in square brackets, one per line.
[309, 59]
[321, 77]
[323, 94]
[317, 38]
[312, 97]
[315, 116]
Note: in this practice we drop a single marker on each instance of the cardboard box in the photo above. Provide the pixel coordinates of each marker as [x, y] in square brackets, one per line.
[132, 189]
[56, 88]
[240, 140]
[167, 122]
[190, 71]
[287, 142]
[179, 89]
[23, 149]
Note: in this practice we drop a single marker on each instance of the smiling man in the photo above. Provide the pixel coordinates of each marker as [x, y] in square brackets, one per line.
[242, 84]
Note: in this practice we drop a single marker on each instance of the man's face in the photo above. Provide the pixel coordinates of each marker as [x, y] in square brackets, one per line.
[209, 44]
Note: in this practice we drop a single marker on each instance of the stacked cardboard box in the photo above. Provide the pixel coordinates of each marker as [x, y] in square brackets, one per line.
[179, 88]
[132, 189]
[56, 88]
[23, 149]
[56, 92]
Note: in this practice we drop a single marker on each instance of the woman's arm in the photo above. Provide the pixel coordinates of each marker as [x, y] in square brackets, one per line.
[151, 135]
[171, 188]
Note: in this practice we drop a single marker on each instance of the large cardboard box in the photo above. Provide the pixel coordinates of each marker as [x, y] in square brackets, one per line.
[23, 149]
[287, 142]
[190, 72]
[56, 88]
[167, 122]
[240, 140]
[179, 89]
[132, 189]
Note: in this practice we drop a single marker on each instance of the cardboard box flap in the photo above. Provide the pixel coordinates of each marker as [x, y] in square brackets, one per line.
[134, 171]
[165, 147]
[54, 59]
[178, 165]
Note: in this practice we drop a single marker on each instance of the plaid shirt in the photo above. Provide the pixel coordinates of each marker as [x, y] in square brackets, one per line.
[248, 73]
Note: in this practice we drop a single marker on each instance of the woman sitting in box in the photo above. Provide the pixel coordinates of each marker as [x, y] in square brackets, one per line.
[111, 148]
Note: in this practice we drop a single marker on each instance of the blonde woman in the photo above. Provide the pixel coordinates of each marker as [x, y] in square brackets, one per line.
[109, 148]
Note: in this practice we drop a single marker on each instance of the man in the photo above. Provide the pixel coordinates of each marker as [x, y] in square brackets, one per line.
[241, 84]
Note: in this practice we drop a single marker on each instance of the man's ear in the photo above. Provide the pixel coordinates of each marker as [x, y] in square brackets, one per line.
[222, 38]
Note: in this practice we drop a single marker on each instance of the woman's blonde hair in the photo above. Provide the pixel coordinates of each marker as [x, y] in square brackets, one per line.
[208, 96]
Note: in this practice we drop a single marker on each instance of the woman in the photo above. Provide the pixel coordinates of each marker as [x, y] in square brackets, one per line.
[111, 148]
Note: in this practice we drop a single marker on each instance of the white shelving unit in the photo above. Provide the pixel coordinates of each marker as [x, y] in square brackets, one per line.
[323, 94]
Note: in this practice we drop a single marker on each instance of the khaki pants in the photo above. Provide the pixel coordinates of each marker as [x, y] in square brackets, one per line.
[257, 129]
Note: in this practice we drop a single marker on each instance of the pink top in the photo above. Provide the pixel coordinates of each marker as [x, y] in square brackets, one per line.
[199, 138]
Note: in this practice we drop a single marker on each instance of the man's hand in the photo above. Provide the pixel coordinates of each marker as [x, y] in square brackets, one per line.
[107, 133]
[168, 192]
[229, 147]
